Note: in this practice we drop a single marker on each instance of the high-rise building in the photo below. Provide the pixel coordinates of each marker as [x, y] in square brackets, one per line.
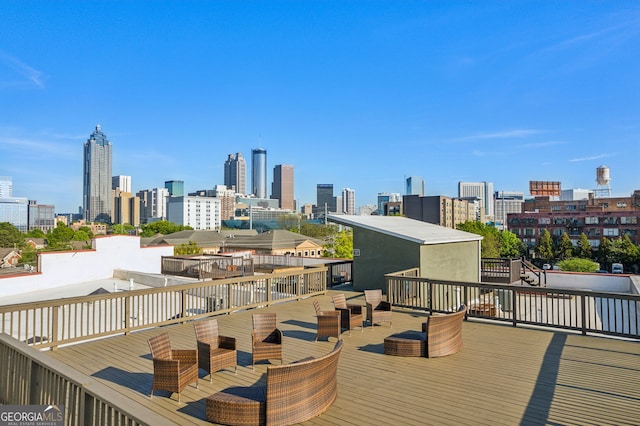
[414, 186]
[235, 173]
[325, 201]
[97, 198]
[41, 216]
[349, 201]
[384, 198]
[227, 197]
[14, 210]
[6, 187]
[153, 204]
[196, 212]
[175, 187]
[282, 187]
[123, 183]
[126, 208]
[259, 172]
[481, 190]
[507, 202]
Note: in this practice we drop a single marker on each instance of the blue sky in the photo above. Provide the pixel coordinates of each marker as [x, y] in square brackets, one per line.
[360, 94]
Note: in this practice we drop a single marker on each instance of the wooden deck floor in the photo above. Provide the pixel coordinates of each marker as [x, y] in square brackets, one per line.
[503, 376]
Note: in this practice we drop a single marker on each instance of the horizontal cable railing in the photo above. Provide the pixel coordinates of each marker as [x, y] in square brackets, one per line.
[47, 324]
[613, 314]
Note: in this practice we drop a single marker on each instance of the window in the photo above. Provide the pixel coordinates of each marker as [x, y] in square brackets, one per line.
[544, 221]
[610, 232]
[621, 204]
[631, 220]
[571, 207]
[556, 208]
[591, 220]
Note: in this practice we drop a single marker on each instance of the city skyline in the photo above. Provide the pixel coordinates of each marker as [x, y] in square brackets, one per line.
[359, 95]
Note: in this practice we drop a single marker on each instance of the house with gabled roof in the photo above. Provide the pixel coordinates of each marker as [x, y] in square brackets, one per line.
[9, 257]
[386, 244]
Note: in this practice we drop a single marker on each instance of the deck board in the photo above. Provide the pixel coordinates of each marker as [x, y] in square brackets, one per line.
[502, 376]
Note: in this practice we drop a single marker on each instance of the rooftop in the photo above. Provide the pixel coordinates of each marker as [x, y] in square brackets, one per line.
[503, 375]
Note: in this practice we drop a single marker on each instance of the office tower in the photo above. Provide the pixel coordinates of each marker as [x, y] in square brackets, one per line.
[282, 187]
[153, 204]
[259, 172]
[414, 186]
[6, 187]
[41, 216]
[349, 201]
[123, 183]
[14, 211]
[175, 187]
[227, 197]
[96, 200]
[126, 208]
[481, 190]
[325, 201]
[235, 173]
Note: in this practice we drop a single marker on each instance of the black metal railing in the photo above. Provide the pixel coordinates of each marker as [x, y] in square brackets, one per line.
[613, 314]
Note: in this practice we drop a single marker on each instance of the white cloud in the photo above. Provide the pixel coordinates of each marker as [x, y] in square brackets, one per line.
[590, 158]
[32, 75]
[542, 144]
[506, 134]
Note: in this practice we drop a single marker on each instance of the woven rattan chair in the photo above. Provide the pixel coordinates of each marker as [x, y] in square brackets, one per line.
[266, 339]
[173, 369]
[215, 352]
[444, 333]
[350, 314]
[378, 310]
[328, 322]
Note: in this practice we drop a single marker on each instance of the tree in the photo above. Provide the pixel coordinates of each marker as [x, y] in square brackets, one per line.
[80, 235]
[604, 255]
[163, 227]
[490, 245]
[343, 247]
[575, 264]
[583, 249]
[510, 245]
[187, 248]
[10, 236]
[565, 247]
[36, 233]
[544, 249]
[290, 222]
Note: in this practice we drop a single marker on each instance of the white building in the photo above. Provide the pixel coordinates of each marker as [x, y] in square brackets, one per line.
[481, 190]
[575, 194]
[121, 182]
[196, 212]
[153, 204]
[349, 201]
[507, 202]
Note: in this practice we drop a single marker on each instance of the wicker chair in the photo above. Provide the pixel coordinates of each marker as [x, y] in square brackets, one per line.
[350, 314]
[328, 322]
[378, 310]
[444, 333]
[215, 352]
[173, 369]
[266, 339]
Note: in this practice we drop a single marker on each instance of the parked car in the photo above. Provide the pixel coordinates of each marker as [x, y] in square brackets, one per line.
[616, 268]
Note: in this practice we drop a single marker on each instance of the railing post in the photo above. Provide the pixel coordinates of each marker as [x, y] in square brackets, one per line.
[183, 306]
[514, 307]
[127, 315]
[54, 326]
[583, 313]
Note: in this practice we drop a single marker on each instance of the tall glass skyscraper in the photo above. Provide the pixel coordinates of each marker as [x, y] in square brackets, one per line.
[235, 173]
[414, 186]
[259, 172]
[96, 188]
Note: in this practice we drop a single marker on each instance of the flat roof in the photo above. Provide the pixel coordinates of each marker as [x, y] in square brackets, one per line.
[413, 230]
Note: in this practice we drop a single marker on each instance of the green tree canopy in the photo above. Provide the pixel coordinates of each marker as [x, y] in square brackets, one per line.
[544, 249]
[583, 249]
[187, 248]
[10, 236]
[163, 227]
[36, 233]
[565, 248]
[491, 242]
[343, 247]
[575, 264]
[510, 245]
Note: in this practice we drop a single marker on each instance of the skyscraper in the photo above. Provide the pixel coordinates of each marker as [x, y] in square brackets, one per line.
[481, 190]
[6, 187]
[96, 189]
[325, 199]
[259, 172]
[235, 173]
[414, 186]
[175, 187]
[282, 187]
[349, 201]
[123, 183]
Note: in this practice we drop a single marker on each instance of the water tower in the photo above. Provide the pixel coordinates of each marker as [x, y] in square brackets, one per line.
[603, 177]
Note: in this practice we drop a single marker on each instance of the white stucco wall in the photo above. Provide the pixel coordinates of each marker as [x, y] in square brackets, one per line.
[583, 281]
[71, 267]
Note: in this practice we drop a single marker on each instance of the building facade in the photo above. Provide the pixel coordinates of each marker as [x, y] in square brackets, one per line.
[259, 172]
[481, 190]
[384, 198]
[126, 208]
[41, 216]
[439, 210]
[227, 197]
[97, 199]
[235, 173]
[123, 183]
[325, 201]
[6, 187]
[282, 187]
[414, 186]
[15, 211]
[175, 187]
[506, 202]
[153, 204]
[196, 212]
[349, 201]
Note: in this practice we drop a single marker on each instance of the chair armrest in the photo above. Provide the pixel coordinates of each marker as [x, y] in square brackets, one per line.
[278, 336]
[355, 309]
[203, 346]
[384, 306]
[226, 342]
[166, 367]
[189, 356]
[329, 314]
